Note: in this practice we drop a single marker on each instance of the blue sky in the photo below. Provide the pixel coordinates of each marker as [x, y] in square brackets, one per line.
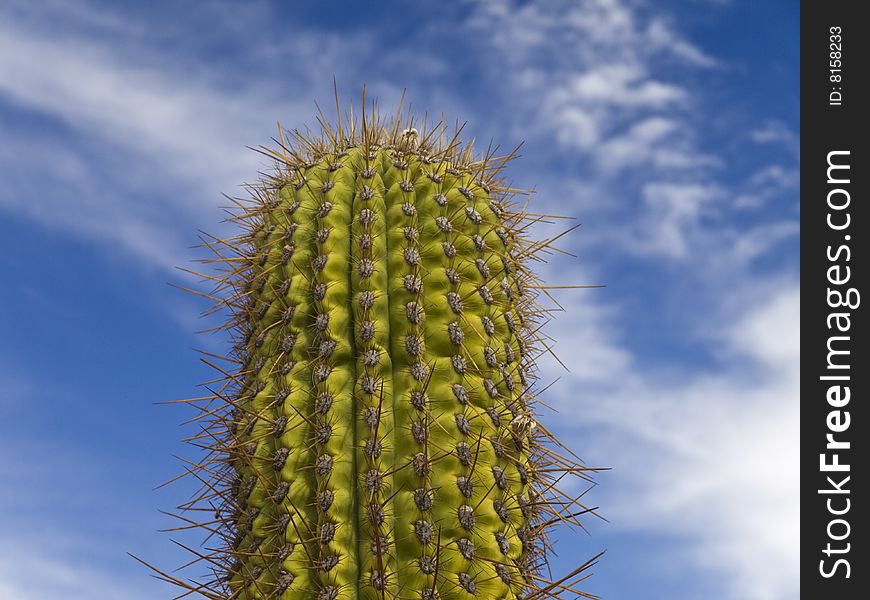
[668, 129]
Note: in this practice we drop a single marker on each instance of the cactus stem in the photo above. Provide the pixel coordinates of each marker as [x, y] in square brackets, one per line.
[372, 433]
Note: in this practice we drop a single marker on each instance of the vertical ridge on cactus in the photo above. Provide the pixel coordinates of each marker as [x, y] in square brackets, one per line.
[377, 437]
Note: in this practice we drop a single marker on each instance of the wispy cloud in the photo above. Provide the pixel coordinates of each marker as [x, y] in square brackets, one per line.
[768, 183]
[152, 113]
[121, 123]
[665, 37]
[776, 132]
[672, 213]
[68, 572]
[135, 138]
[712, 458]
[627, 126]
[602, 81]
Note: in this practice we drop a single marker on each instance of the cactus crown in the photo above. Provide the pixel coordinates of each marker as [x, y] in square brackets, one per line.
[375, 436]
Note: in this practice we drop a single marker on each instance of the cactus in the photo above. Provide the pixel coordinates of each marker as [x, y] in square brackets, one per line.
[376, 437]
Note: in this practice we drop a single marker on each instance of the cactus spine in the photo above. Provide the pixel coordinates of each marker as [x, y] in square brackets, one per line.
[377, 438]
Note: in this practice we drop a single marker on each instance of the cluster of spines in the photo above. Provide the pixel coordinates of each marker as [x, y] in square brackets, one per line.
[279, 537]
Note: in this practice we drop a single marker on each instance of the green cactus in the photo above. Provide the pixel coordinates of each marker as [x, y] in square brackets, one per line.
[376, 438]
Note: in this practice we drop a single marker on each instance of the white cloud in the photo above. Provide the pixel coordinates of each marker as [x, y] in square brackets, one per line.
[648, 143]
[608, 97]
[157, 114]
[680, 222]
[591, 321]
[673, 212]
[748, 245]
[141, 139]
[778, 133]
[663, 36]
[601, 81]
[131, 122]
[578, 111]
[711, 457]
[775, 175]
[49, 572]
[768, 183]
[621, 85]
